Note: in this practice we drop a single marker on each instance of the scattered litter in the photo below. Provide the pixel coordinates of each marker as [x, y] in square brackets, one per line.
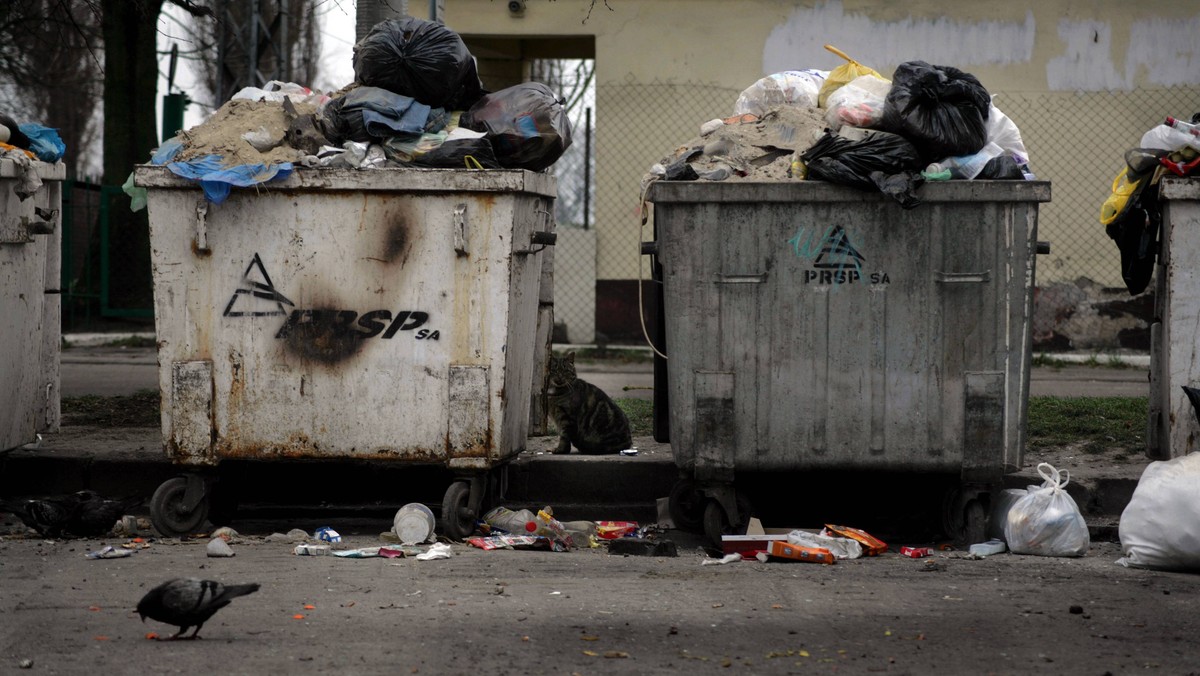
[789, 552]
[226, 533]
[728, 558]
[984, 549]
[327, 534]
[642, 547]
[841, 548]
[490, 542]
[611, 530]
[363, 553]
[218, 548]
[629, 451]
[414, 524]
[25, 663]
[872, 544]
[109, 552]
[439, 550]
[916, 552]
[294, 535]
[749, 545]
[311, 550]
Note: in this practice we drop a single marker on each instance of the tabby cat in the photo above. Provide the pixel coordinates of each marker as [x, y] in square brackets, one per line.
[585, 416]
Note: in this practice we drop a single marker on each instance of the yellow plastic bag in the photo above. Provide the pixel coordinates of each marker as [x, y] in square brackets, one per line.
[1123, 189]
[842, 75]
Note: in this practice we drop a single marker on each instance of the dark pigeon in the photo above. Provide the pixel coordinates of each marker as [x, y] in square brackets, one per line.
[48, 516]
[189, 602]
[96, 515]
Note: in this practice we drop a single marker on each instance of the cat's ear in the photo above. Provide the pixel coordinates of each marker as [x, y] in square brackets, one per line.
[571, 357]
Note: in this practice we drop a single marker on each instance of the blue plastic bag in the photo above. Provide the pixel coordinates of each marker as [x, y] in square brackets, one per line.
[44, 142]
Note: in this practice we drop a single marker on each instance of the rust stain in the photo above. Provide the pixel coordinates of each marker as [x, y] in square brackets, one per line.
[200, 253]
[300, 447]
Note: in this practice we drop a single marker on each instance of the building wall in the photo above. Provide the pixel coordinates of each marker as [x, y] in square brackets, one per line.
[1081, 79]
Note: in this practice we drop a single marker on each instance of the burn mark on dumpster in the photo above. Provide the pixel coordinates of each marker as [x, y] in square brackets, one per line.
[397, 240]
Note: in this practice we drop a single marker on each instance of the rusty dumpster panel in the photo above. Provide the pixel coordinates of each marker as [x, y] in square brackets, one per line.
[385, 315]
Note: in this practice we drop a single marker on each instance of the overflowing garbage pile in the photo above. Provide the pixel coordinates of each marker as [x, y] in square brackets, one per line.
[416, 101]
[1131, 215]
[855, 127]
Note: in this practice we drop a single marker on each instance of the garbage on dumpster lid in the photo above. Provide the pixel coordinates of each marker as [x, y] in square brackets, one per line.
[842, 75]
[798, 88]
[1160, 527]
[873, 545]
[327, 534]
[942, 110]
[422, 59]
[1046, 521]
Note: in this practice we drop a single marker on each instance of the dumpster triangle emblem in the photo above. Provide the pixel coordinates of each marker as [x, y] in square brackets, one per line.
[256, 284]
[838, 252]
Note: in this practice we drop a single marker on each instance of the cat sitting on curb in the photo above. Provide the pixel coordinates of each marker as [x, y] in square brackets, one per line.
[586, 417]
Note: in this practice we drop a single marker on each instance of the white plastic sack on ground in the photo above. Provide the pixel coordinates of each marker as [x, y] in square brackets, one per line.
[841, 548]
[791, 87]
[1001, 504]
[1046, 521]
[1160, 527]
[858, 103]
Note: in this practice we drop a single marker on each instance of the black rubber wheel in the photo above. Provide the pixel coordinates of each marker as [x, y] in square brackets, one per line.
[716, 521]
[974, 523]
[458, 521]
[686, 505]
[166, 510]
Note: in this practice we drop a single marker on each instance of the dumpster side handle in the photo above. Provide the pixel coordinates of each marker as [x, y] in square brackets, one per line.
[202, 227]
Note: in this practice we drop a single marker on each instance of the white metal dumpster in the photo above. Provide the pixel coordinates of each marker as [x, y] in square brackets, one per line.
[811, 326]
[1172, 428]
[386, 315]
[30, 318]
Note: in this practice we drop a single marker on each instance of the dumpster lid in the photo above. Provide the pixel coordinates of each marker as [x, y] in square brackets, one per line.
[1172, 188]
[46, 171]
[823, 191]
[397, 179]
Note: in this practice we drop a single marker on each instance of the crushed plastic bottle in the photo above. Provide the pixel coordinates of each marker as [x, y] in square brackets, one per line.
[546, 525]
[513, 522]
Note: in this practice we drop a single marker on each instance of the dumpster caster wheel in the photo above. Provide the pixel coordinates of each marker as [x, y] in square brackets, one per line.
[167, 513]
[974, 522]
[716, 521]
[458, 521]
[686, 504]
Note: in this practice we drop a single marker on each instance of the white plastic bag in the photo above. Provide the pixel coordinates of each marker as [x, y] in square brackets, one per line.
[797, 88]
[1160, 527]
[1002, 131]
[1163, 137]
[858, 103]
[1046, 521]
[841, 548]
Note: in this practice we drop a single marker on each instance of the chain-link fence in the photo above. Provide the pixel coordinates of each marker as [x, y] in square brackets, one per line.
[1075, 141]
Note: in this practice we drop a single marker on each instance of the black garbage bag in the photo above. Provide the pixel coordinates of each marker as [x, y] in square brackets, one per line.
[901, 187]
[371, 114]
[839, 160]
[527, 125]
[467, 153]
[418, 58]
[941, 109]
[1002, 168]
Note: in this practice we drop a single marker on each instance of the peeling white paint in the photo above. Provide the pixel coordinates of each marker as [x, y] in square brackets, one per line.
[1161, 52]
[799, 41]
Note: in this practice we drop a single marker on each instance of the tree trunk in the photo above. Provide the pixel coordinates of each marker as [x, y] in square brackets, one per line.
[130, 134]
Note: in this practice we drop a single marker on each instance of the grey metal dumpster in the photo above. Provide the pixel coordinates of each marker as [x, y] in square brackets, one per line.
[30, 236]
[1172, 428]
[386, 315]
[811, 326]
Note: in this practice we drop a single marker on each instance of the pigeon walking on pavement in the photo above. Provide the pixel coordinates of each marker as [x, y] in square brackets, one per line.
[96, 515]
[189, 602]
